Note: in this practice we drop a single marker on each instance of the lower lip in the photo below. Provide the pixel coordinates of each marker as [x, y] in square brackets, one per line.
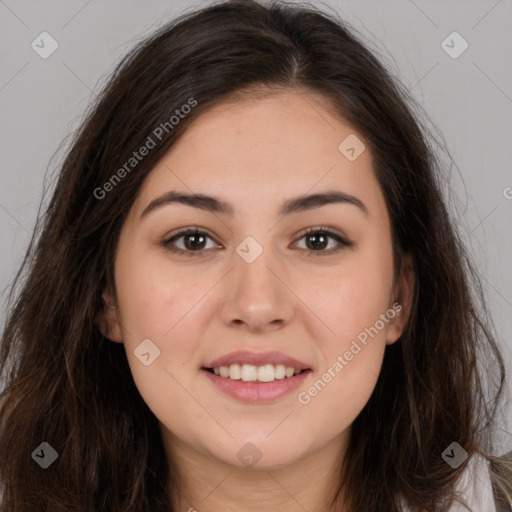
[252, 392]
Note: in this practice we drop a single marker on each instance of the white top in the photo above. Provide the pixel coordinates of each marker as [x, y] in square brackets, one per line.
[475, 486]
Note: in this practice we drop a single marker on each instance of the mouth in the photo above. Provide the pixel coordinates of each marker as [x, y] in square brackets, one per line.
[252, 384]
[253, 377]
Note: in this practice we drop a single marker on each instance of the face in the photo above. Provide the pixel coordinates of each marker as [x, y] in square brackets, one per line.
[309, 280]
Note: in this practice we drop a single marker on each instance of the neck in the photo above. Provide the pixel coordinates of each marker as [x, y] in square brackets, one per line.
[209, 485]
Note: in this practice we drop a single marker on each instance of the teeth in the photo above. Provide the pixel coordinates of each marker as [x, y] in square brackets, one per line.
[235, 372]
[252, 373]
[266, 373]
[279, 371]
[249, 373]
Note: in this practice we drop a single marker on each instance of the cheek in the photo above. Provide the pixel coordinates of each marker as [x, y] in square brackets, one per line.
[161, 305]
[151, 298]
[344, 389]
[351, 299]
[158, 308]
[351, 362]
[354, 306]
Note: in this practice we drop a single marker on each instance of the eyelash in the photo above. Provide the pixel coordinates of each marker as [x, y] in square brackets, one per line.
[168, 242]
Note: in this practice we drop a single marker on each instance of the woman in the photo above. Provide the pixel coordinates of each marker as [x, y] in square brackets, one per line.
[247, 293]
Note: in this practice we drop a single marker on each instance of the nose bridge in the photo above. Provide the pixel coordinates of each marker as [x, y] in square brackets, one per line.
[252, 273]
[256, 295]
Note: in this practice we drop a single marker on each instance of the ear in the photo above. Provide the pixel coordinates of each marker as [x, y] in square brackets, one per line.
[401, 299]
[108, 320]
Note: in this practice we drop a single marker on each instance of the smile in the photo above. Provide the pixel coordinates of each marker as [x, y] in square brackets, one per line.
[255, 390]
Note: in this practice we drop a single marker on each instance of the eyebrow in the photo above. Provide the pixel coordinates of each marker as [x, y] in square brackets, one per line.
[217, 205]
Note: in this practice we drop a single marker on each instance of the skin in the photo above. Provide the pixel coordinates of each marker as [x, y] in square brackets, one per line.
[256, 153]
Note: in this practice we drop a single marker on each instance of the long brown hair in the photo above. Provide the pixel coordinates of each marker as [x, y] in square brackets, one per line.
[68, 386]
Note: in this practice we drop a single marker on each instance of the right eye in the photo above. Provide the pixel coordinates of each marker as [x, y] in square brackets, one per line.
[194, 240]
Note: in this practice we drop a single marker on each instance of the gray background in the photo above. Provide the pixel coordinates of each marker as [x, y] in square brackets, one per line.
[468, 98]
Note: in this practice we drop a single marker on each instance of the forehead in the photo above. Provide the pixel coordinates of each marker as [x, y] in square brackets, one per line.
[262, 148]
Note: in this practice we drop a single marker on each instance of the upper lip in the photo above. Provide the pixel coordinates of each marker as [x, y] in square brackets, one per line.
[257, 359]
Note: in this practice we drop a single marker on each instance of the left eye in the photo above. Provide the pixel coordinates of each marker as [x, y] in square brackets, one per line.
[195, 240]
[318, 239]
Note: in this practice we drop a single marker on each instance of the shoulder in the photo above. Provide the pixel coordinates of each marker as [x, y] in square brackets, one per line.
[503, 504]
[475, 486]
[474, 489]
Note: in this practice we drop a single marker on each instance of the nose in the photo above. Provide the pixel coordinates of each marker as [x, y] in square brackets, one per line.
[258, 297]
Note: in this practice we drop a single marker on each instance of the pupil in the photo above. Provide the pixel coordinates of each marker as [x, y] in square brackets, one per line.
[188, 238]
[316, 245]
